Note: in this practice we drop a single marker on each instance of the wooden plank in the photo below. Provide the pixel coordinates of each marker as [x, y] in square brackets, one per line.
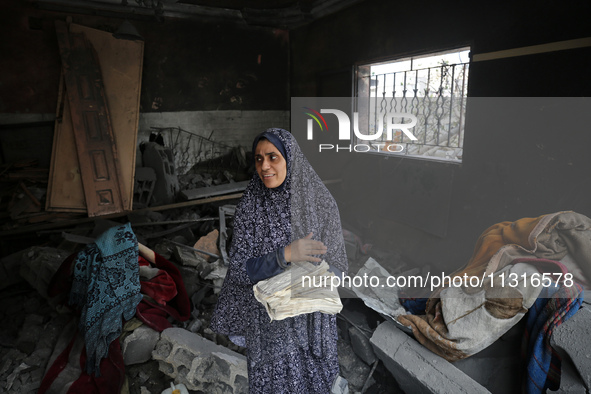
[210, 191]
[75, 222]
[97, 153]
[64, 189]
[121, 63]
[533, 49]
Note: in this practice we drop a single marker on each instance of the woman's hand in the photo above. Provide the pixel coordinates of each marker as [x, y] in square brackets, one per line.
[304, 249]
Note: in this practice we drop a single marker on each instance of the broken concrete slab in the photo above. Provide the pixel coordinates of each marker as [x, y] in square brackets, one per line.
[416, 368]
[572, 338]
[138, 346]
[200, 364]
[187, 257]
[570, 381]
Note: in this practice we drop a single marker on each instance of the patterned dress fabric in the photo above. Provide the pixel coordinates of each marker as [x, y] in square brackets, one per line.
[297, 354]
[106, 287]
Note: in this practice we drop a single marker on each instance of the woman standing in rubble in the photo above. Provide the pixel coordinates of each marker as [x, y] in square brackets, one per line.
[286, 214]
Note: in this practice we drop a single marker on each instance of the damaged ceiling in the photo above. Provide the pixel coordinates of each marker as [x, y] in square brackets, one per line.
[285, 14]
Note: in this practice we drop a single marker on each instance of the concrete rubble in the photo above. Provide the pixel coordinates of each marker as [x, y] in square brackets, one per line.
[416, 368]
[571, 339]
[138, 346]
[200, 364]
[189, 353]
[375, 355]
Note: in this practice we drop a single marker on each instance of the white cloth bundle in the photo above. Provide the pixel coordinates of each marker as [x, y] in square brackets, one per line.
[302, 288]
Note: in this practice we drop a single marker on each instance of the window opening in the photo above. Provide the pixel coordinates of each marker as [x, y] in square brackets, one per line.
[431, 89]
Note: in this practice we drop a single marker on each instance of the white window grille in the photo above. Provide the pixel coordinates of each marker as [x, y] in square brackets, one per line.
[432, 88]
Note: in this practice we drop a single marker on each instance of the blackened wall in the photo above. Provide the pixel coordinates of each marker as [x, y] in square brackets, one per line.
[432, 213]
[193, 66]
[189, 65]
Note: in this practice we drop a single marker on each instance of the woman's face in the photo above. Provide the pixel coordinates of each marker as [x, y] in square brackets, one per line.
[270, 164]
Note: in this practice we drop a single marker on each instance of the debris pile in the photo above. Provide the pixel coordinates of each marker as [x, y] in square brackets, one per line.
[195, 240]
[188, 220]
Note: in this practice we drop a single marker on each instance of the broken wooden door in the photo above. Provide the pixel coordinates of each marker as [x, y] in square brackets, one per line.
[121, 68]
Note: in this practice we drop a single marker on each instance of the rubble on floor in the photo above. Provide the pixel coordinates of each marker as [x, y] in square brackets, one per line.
[375, 355]
[199, 363]
[189, 353]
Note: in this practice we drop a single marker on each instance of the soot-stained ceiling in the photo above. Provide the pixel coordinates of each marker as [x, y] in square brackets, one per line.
[285, 14]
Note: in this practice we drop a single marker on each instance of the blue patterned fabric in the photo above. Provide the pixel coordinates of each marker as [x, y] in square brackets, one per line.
[106, 288]
[299, 354]
[554, 306]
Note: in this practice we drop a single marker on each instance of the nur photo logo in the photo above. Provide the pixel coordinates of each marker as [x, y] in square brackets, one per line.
[394, 124]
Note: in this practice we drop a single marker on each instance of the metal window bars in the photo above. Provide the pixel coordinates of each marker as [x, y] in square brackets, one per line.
[436, 96]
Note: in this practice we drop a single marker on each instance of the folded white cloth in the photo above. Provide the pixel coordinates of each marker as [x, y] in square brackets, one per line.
[302, 288]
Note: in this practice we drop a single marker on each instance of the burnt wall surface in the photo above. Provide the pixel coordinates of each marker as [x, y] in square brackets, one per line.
[189, 65]
[432, 212]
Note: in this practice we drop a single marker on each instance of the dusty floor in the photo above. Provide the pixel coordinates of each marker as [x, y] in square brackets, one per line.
[30, 327]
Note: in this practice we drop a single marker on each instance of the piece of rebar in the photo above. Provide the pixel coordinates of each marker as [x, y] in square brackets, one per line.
[373, 368]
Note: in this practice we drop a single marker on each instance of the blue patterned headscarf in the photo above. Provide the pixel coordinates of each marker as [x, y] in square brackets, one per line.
[267, 219]
[106, 287]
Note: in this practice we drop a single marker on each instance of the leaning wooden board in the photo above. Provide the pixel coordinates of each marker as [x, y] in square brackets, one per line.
[64, 189]
[121, 63]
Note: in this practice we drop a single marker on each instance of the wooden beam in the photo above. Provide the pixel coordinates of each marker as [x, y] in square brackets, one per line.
[74, 222]
[534, 49]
